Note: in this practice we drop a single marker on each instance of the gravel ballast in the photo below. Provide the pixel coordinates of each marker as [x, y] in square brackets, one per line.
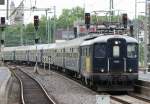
[63, 89]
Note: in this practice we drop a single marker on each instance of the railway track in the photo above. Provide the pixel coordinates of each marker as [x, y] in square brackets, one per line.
[121, 99]
[31, 91]
[128, 99]
[133, 97]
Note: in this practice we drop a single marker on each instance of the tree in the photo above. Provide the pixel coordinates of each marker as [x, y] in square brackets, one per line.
[68, 16]
[42, 30]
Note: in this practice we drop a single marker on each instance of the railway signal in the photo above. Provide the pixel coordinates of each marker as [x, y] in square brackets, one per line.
[3, 20]
[75, 31]
[87, 20]
[2, 42]
[36, 22]
[125, 20]
[2, 23]
[36, 40]
[2, 2]
[131, 30]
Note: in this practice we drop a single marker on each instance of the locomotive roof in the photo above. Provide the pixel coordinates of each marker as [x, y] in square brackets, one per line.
[104, 38]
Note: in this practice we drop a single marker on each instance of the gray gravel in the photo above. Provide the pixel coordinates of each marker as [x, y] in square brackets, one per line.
[64, 90]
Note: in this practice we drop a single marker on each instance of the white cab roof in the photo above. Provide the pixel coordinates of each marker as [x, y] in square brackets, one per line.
[104, 38]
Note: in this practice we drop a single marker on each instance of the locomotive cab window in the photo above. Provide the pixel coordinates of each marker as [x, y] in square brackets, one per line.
[116, 51]
[100, 50]
[132, 51]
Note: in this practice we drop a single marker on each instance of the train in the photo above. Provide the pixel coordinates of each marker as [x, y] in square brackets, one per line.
[104, 62]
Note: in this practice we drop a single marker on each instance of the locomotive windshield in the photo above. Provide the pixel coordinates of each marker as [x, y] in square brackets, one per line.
[116, 51]
[100, 50]
[132, 51]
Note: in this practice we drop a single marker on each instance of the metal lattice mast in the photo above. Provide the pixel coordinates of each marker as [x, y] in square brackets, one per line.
[147, 35]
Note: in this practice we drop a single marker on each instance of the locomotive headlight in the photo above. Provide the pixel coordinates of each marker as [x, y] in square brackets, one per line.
[102, 70]
[130, 70]
[116, 42]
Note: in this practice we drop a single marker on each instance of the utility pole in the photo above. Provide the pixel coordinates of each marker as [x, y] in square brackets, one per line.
[7, 6]
[145, 37]
[3, 35]
[135, 8]
[2, 45]
[84, 6]
[111, 7]
[46, 25]
[49, 30]
[54, 33]
[148, 30]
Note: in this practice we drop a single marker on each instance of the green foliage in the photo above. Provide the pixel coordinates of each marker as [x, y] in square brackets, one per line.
[68, 16]
[42, 30]
[11, 35]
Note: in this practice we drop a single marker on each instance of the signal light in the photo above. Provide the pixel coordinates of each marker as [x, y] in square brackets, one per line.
[125, 20]
[75, 31]
[3, 20]
[36, 22]
[36, 40]
[2, 42]
[131, 30]
[87, 20]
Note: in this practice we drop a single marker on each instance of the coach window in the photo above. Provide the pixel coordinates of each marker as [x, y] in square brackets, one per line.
[116, 51]
[100, 50]
[132, 51]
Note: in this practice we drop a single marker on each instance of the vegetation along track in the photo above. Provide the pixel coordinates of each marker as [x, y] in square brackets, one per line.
[31, 91]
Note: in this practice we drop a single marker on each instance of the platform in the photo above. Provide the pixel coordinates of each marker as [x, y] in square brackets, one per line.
[5, 80]
[145, 76]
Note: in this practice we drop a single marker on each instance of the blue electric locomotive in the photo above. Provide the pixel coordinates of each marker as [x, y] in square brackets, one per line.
[110, 61]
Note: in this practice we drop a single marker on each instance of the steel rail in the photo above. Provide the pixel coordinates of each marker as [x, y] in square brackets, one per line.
[21, 85]
[22, 88]
[111, 96]
[119, 100]
[139, 97]
[51, 99]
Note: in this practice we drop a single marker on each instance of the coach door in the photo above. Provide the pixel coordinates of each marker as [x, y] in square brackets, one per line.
[117, 55]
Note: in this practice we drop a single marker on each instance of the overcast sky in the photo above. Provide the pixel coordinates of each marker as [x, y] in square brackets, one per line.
[90, 5]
